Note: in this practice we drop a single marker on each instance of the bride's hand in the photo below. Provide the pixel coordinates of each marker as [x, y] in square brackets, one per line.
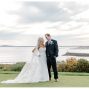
[39, 55]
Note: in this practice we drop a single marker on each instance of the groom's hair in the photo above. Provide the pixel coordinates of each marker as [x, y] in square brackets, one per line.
[47, 34]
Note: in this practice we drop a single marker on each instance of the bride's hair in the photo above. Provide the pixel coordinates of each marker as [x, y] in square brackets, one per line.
[40, 42]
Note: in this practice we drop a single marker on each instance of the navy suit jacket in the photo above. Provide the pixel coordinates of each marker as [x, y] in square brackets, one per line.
[52, 48]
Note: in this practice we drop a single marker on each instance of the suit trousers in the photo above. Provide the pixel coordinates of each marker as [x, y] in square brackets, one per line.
[51, 61]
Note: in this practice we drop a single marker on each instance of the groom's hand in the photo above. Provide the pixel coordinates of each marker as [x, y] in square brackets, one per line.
[54, 56]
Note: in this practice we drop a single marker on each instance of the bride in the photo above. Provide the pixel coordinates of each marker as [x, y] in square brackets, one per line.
[36, 69]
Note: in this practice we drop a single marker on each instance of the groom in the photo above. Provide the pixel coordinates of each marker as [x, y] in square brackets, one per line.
[51, 53]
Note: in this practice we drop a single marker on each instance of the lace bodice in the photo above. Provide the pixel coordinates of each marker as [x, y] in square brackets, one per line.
[41, 50]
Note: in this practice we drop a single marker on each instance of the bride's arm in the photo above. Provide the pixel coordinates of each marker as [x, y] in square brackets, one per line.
[36, 52]
[33, 50]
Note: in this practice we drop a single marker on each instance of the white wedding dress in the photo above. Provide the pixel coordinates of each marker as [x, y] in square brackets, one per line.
[34, 70]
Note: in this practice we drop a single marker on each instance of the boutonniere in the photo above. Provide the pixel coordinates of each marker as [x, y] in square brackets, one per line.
[51, 42]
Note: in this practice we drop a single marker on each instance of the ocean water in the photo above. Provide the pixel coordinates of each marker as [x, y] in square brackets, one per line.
[24, 54]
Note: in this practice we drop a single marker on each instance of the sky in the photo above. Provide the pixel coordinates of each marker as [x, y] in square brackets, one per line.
[23, 21]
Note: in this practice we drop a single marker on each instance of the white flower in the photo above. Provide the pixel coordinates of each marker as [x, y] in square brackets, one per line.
[51, 42]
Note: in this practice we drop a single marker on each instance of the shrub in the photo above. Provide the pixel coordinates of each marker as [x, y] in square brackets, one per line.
[17, 67]
[74, 65]
[6, 67]
[71, 64]
[83, 65]
[12, 67]
[68, 66]
[62, 66]
[1, 66]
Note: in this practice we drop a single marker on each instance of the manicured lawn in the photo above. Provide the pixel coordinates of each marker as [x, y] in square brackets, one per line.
[66, 79]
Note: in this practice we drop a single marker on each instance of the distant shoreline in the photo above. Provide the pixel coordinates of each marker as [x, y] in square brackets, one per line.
[76, 54]
[84, 47]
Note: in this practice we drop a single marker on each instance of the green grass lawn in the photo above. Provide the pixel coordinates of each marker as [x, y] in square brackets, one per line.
[66, 79]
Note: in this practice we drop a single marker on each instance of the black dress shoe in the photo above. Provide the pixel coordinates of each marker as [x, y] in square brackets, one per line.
[55, 80]
[49, 79]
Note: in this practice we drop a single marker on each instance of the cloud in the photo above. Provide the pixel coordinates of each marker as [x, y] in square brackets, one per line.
[32, 12]
[83, 16]
[5, 35]
[7, 6]
[21, 21]
[42, 11]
